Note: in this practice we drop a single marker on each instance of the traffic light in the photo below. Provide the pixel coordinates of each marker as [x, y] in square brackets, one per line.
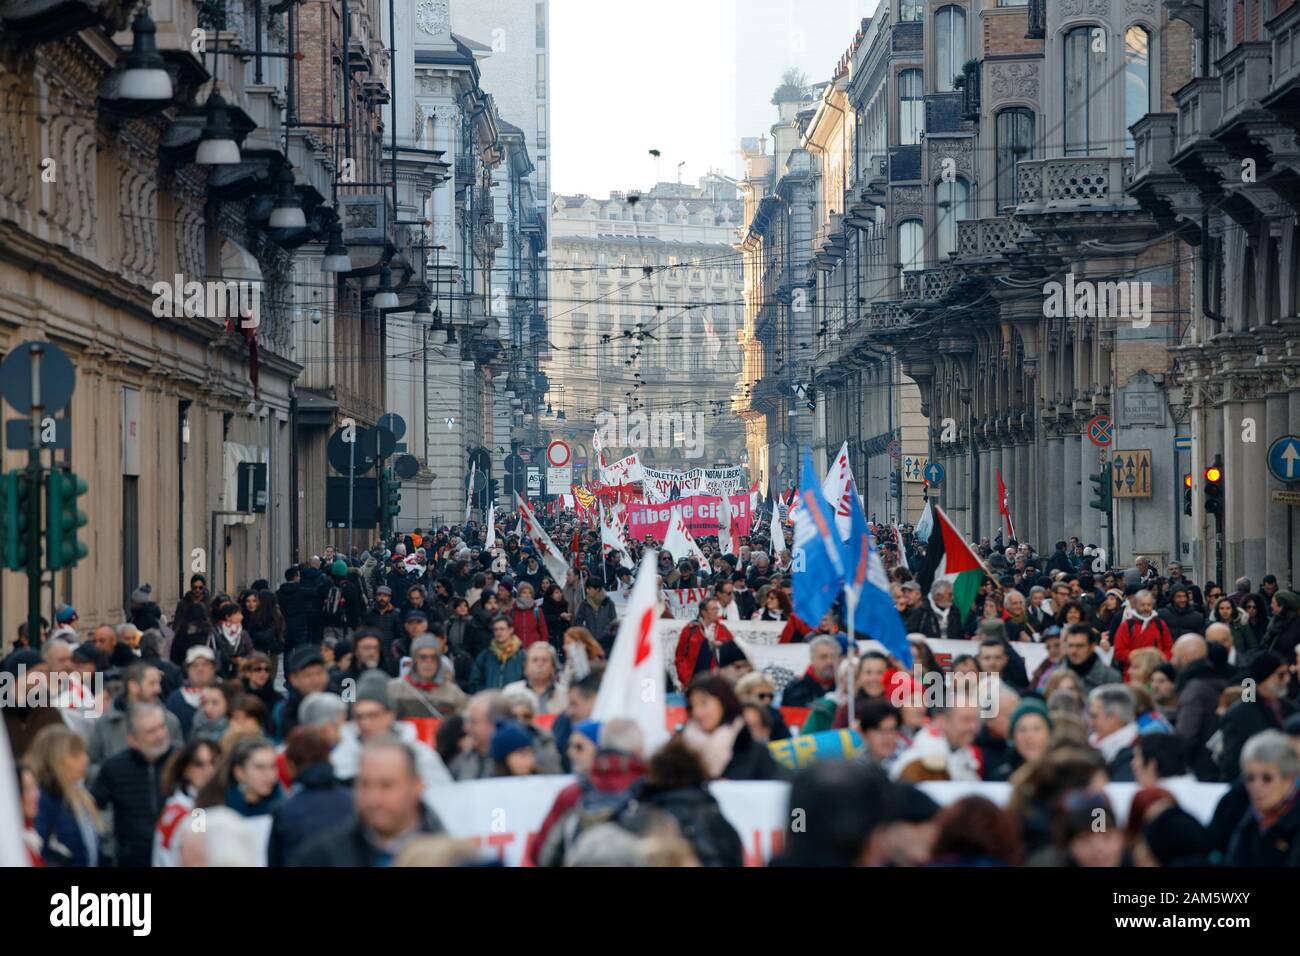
[1101, 489]
[494, 490]
[1214, 489]
[63, 518]
[1187, 493]
[393, 495]
[14, 520]
[895, 485]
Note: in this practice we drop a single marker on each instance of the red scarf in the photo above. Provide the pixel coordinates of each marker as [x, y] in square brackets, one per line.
[828, 684]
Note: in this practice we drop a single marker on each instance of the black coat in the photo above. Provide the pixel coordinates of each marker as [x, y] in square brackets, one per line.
[1242, 721]
[701, 823]
[318, 803]
[295, 601]
[347, 845]
[802, 692]
[132, 787]
[751, 760]
[1279, 845]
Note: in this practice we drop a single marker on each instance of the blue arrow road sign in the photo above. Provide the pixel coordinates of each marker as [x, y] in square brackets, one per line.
[934, 473]
[1284, 458]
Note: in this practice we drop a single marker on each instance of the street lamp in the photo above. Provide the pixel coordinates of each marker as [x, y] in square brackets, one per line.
[287, 213]
[385, 295]
[145, 76]
[217, 146]
[336, 254]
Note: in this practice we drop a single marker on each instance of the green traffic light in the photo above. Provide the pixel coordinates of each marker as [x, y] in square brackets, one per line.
[64, 518]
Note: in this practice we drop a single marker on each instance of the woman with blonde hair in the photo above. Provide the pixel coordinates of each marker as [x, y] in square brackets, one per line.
[67, 820]
[1142, 663]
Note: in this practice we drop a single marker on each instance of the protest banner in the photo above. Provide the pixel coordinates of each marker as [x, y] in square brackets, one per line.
[503, 814]
[700, 513]
[795, 753]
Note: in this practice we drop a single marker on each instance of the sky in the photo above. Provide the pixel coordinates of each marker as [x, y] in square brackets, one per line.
[689, 78]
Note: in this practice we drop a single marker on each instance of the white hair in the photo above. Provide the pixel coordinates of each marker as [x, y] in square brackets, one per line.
[51, 645]
[623, 735]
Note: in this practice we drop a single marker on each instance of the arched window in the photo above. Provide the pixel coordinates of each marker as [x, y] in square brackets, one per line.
[911, 108]
[950, 47]
[910, 253]
[952, 198]
[1137, 79]
[1087, 116]
[1015, 141]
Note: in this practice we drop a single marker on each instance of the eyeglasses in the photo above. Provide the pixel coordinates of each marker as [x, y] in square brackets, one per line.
[260, 669]
[765, 696]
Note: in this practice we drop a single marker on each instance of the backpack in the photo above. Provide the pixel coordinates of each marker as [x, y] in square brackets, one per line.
[334, 601]
[594, 808]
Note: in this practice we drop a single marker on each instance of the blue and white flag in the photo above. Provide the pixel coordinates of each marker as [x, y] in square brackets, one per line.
[818, 568]
[924, 524]
[874, 614]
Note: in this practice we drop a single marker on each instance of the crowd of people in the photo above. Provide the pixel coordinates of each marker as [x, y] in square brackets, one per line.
[295, 718]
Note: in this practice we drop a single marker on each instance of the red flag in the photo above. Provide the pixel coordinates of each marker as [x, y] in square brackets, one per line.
[1003, 508]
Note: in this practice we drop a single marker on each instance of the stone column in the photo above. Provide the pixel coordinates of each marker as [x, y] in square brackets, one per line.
[1052, 488]
[1255, 493]
[1278, 423]
[1025, 510]
[1072, 521]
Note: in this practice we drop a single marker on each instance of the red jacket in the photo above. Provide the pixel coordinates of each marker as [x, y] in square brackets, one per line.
[794, 632]
[530, 626]
[1133, 634]
[690, 644]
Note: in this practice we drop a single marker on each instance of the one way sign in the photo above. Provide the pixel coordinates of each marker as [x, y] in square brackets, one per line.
[1284, 458]
[1131, 473]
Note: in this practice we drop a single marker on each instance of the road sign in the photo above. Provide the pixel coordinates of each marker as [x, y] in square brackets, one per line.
[558, 454]
[558, 480]
[934, 472]
[340, 456]
[1286, 497]
[1284, 458]
[534, 481]
[1131, 473]
[1101, 430]
[1183, 443]
[406, 467]
[913, 467]
[54, 433]
[58, 377]
[395, 423]
[894, 449]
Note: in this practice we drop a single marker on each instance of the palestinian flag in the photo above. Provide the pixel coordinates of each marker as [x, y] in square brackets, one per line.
[949, 558]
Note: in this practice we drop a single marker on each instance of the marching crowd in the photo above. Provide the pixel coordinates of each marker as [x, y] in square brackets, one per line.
[308, 722]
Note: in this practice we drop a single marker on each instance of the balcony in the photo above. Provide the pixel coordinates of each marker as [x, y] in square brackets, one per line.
[1246, 76]
[905, 164]
[360, 57]
[945, 112]
[1068, 200]
[1286, 47]
[464, 169]
[988, 238]
[1197, 155]
[1154, 136]
[929, 285]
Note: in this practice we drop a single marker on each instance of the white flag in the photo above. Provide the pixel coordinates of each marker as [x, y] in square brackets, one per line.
[724, 524]
[13, 852]
[491, 541]
[678, 541]
[547, 552]
[777, 535]
[633, 685]
[836, 488]
[610, 538]
[519, 528]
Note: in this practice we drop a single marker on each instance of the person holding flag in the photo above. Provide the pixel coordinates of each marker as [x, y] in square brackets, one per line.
[699, 642]
[818, 568]
[949, 558]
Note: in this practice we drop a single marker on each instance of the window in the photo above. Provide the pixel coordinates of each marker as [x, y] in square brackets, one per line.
[1015, 141]
[909, 245]
[1013, 3]
[541, 24]
[953, 202]
[911, 10]
[1137, 80]
[950, 46]
[911, 108]
[541, 76]
[1087, 118]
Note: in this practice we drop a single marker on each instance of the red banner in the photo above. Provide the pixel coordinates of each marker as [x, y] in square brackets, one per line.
[699, 511]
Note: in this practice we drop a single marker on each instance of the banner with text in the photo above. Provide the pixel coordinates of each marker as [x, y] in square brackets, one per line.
[700, 513]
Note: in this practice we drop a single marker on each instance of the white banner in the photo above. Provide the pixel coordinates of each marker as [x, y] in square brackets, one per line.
[624, 471]
[502, 815]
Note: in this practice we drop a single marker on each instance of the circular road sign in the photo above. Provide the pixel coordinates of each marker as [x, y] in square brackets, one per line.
[1284, 458]
[558, 454]
[1101, 430]
[406, 467]
[894, 449]
[934, 472]
[58, 377]
[342, 457]
[395, 423]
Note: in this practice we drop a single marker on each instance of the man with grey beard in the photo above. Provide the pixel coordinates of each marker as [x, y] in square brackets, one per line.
[130, 784]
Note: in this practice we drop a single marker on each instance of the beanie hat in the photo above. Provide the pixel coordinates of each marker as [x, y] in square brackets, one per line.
[589, 729]
[1288, 600]
[1031, 705]
[373, 686]
[425, 642]
[510, 736]
[339, 568]
[1264, 665]
[142, 595]
[730, 653]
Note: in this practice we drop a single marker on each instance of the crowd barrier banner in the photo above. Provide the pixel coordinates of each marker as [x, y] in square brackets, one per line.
[502, 815]
[700, 512]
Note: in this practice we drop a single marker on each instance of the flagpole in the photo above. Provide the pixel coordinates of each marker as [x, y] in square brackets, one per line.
[851, 604]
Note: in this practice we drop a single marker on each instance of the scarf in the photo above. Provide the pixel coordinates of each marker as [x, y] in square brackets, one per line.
[1269, 819]
[714, 749]
[828, 684]
[509, 651]
[1111, 745]
[232, 633]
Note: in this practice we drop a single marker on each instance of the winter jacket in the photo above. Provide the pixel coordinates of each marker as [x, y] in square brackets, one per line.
[295, 601]
[751, 760]
[348, 845]
[1244, 720]
[317, 803]
[1093, 672]
[1279, 845]
[132, 787]
[529, 624]
[694, 654]
[700, 820]
[805, 690]
[1133, 633]
[611, 773]
[601, 620]
[108, 733]
[64, 839]
[1198, 685]
[1190, 620]
[492, 673]
[438, 699]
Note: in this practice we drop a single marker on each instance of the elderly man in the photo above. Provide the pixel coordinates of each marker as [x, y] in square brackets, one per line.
[823, 662]
[130, 784]
[943, 749]
[391, 811]
[1113, 717]
[485, 710]
[1198, 685]
[429, 688]
[940, 621]
[914, 610]
[109, 641]
[698, 642]
[373, 716]
[141, 684]
[541, 669]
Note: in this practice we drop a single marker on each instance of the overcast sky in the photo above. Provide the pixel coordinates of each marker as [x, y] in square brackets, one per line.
[686, 77]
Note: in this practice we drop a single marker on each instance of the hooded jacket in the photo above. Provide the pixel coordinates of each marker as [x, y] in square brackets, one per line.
[317, 803]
